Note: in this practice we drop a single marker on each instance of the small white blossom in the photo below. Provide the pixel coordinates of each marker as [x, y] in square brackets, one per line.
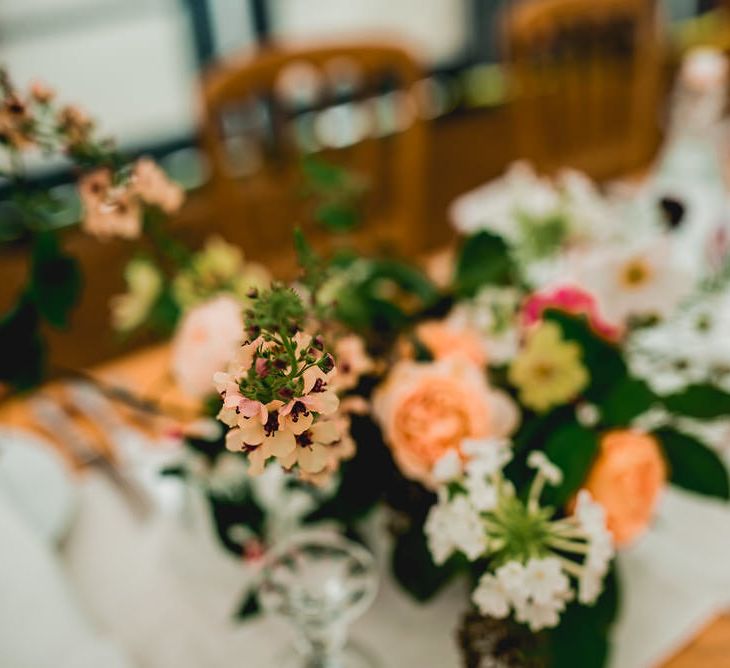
[448, 467]
[539, 461]
[491, 597]
[538, 616]
[512, 577]
[587, 414]
[482, 493]
[455, 525]
[487, 455]
[590, 586]
[545, 580]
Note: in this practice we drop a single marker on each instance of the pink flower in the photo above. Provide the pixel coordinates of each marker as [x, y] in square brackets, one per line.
[109, 211]
[41, 93]
[205, 341]
[425, 410]
[352, 362]
[569, 299]
[444, 339]
[152, 185]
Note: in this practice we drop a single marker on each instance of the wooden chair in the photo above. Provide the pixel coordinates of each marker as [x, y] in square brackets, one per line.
[588, 83]
[352, 106]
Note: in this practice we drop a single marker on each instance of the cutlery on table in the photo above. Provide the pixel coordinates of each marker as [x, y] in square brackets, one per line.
[54, 419]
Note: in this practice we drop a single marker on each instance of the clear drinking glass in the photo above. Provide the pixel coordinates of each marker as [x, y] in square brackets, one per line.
[320, 582]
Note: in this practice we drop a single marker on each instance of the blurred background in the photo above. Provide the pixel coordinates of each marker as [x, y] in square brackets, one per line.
[153, 72]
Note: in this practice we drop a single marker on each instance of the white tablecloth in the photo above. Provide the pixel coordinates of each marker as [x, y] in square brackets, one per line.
[167, 593]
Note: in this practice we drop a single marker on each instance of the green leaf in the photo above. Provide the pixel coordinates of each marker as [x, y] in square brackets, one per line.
[55, 281]
[573, 448]
[581, 640]
[22, 362]
[693, 465]
[699, 401]
[626, 400]
[406, 277]
[337, 217]
[484, 260]
[322, 175]
[414, 569]
[249, 606]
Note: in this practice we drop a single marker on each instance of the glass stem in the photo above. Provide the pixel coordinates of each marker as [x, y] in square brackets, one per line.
[322, 645]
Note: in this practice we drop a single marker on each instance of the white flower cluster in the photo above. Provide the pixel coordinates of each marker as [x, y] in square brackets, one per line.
[536, 564]
[520, 204]
[494, 314]
[537, 591]
[692, 346]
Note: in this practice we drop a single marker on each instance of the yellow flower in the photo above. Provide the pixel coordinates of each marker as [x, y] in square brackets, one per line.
[548, 371]
[219, 267]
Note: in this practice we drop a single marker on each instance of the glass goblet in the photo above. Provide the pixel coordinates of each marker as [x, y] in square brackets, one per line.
[320, 582]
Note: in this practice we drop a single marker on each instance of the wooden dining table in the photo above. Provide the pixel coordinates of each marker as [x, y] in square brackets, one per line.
[146, 373]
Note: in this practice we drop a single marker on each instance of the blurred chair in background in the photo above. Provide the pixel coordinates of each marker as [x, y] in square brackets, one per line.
[589, 83]
[270, 118]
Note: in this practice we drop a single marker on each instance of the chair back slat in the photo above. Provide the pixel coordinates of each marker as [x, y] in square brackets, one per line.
[587, 81]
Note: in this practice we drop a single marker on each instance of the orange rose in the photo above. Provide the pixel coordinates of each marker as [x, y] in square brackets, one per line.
[627, 479]
[444, 339]
[427, 409]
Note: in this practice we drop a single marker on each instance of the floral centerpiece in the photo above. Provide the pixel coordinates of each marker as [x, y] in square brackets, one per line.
[518, 421]
[501, 419]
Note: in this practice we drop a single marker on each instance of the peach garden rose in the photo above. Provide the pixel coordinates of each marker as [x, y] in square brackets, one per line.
[426, 410]
[627, 479]
[205, 341]
[445, 339]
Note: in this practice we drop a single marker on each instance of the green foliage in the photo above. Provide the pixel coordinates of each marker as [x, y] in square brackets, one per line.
[362, 478]
[692, 465]
[52, 290]
[602, 358]
[542, 237]
[699, 401]
[573, 448]
[484, 260]
[337, 217]
[55, 280]
[625, 401]
[279, 309]
[413, 566]
[581, 638]
[378, 295]
[249, 606]
[22, 362]
[314, 272]
[337, 193]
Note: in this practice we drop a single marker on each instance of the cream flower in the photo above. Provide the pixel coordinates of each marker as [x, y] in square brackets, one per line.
[218, 267]
[352, 362]
[144, 283]
[312, 449]
[338, 451]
